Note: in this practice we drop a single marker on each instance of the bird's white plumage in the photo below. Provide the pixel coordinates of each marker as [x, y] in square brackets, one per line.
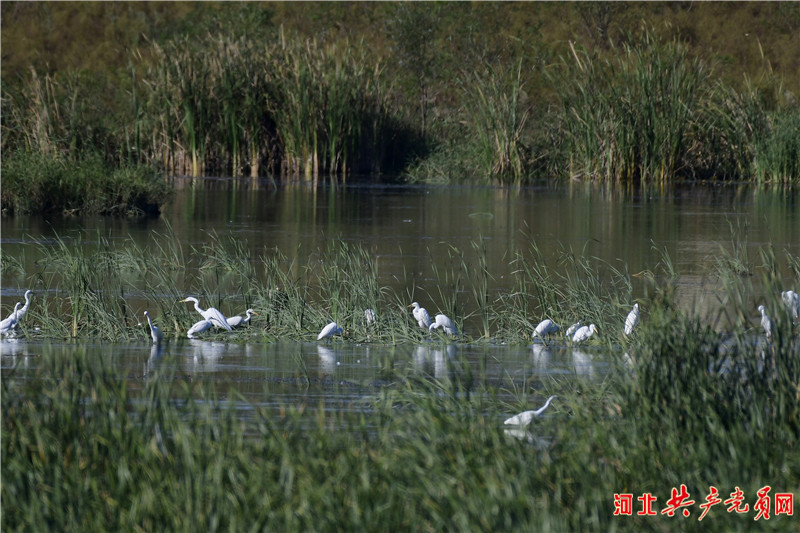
[583, 333]
[21, 313]
[238, 320]
[792, 301]
[199, 327]
[632, 320]
[213, 314]
[9, 323]
[155, 333]
[544, 328]
[444, 322]
[369, 316]
[766, 323]
[572, 329]
[421, 315]
[329, 331]
[525, 417]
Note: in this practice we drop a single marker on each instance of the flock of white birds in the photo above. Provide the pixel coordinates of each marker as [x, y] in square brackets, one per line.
[577, 332]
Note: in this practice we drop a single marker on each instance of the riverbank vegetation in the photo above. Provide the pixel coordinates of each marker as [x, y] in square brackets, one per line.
[428, 92]
[686, 405]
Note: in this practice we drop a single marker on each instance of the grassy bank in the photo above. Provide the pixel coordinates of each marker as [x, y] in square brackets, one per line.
[644, 103]
[44, 183]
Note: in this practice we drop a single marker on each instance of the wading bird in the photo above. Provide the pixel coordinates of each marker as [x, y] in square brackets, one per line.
[572, 329]
[632, 320]
[369, 316]
[21, 313]
[525, 417]
[213, 314]
[236, 321]
[792, 301]
[154, 331]
[444, 322]
[329, 331]
[766, 323]
[545, 328]
[421, 315]
[8, 324]
[584, 333]
[199, 327]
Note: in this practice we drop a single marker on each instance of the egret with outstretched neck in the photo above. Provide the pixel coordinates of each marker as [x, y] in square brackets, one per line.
[154, 331]
[525, 417]
[213, 314]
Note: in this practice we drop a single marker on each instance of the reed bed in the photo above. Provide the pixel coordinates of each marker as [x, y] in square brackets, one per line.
[644, 111]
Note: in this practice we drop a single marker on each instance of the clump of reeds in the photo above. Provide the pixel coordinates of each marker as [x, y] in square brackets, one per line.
[629, 118]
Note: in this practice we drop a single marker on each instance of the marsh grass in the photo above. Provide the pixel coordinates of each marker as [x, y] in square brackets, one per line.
[82, 451]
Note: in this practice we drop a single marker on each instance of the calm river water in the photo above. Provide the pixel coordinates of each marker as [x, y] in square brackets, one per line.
[409, 229]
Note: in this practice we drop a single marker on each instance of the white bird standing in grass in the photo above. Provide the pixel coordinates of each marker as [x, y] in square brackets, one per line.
[792, 301]
[766, 323]
[8, 324]
[238, 320]
[444, 322]
[329, 331]
[199, 327]
[421, 315]
[21, 313]
[213, 314]
[154, 331]
[632, 320]
[369, 316]
[545, 328]
[584, 333]
[525, 417]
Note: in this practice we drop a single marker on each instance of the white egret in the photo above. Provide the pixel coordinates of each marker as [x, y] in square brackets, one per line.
[766, 323]
[525, 417]
[584, 333]
[236, 321]
[444, 322]
[421, 315]
[21, 313]
[792, 301]
[546, 327]
[369, 315]
[213, 314]
[632, 320]
[199, 327]
[572, 329]
[154, 331]
[329, 331]
[8, 324]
